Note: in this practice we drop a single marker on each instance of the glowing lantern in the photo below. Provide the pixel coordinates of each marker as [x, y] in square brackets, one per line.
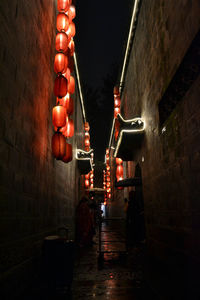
[116, 90]
[68, 130]
[60, 86]
[68, 103]
[58, 145]
[117, 128]
[108, 178]
[105, 203]
[68, 155]
[107, 168]
[91, 186]
[87, 142]
[108, 184]
[63, 5]
[109, 196]
[59, 116]
[72, 13]
[119, 171]
[67, 74]
[71, 30]
[71, 48]
[60, 63]
[62, 22]
[119, 161]
[61, 42]
[91, 180]
[117, 102]
[87, 127]
[87, 176]
[87, 134]
[71, 85]
[107, 151]
[87, 183]
[116, 112]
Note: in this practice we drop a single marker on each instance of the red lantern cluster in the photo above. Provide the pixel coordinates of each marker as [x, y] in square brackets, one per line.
[64, 84]
[106, 178]
[119, 170]
[117, 103]
[90, 175]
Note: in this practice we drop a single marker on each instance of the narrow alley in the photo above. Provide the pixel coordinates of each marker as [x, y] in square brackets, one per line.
[100, 149]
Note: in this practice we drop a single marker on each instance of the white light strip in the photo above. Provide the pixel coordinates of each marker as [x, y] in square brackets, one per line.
[128, 42]
[79, 86]
[110, 141]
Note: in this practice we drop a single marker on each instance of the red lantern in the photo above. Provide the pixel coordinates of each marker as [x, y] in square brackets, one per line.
[119, 161]
[109, 196]
[87, 183]
[108, 184]
[87, 176]
[63, 5]
[58, 145]
[108, 178]
[71, 85]
[59, 116]
[116, 112]
[71, 48]
[62, 23]
[87, 127]
[72, 13]
[87, 134]
[67, 74]
[68, 155]
[60, 86]
[91, 180]
[60, 63]
[68, 130]
[107, 168]
[119, 171]
[116, 90]
[87, 142]
[92, 186]
[68, 103]
[117, 102]
[61, 42]
[117, 128]
[71, 30]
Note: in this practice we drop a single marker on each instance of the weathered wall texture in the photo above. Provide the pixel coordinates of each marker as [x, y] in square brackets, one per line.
[171, 167]
[37, 193]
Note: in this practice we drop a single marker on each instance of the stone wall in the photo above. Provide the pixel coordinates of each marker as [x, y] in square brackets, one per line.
[171, 153]
[37, 193]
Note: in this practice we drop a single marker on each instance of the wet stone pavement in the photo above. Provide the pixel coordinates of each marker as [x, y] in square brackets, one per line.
[113, 277]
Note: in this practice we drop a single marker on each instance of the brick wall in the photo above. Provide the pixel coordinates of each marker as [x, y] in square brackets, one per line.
[171, 169]
[37, 193]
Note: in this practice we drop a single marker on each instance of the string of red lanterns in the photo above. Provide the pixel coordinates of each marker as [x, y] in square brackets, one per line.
[117, 103]
[89, 178]
[64, 85]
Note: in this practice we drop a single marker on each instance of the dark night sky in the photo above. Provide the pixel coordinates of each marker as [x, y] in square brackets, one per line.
[101, 35]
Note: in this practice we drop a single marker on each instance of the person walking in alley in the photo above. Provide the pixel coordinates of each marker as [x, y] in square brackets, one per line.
[84, 223]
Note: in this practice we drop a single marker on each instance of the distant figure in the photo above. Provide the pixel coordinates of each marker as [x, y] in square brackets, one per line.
[84, 223]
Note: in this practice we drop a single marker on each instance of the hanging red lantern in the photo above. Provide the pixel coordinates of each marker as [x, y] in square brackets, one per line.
[63, 5]
[71, 30]
[61, 42]
[68, 103]
[108, 184]
[117, 102]
[60, 63]
[86, 126]
[116, 90]
[68, 130]
[71, 48]
[71, 85]
[62, 22]
[71, 13]
[68, 155]
[119, 171]
[91, 180]
[108, 178]
[109, 195]
[107, 168]
[87, 134]
[87, 176]
[59, 116]
[92, 186]
[58, 145]
[87, 183]
[60, 86]
[87, 142]
[119, 161]
[117, 128]
[116, 112]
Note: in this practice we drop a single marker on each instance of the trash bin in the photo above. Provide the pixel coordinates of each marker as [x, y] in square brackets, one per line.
[58, 261]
